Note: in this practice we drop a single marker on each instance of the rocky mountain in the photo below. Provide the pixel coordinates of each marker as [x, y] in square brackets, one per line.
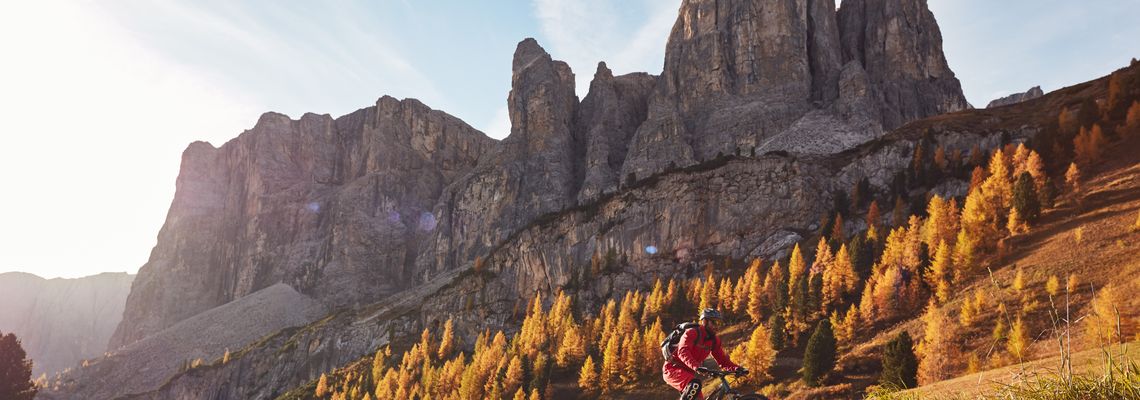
[1015, 98]
[762, 111]
[62, 321]
[333, 207]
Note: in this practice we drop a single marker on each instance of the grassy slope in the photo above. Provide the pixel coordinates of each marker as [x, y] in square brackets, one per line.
[1087, 363]
[1107, 253]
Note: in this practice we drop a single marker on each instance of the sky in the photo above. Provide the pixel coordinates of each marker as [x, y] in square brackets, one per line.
[99, 98]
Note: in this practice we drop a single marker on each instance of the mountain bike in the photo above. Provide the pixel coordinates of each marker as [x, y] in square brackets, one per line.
[724, 391]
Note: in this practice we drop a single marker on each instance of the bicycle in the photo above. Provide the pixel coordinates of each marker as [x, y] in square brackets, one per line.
[725, 391]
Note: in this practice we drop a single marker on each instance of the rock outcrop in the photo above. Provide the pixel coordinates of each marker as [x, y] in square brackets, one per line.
[62, 321]
[334, 208]
[1015, 98]
[899, 45]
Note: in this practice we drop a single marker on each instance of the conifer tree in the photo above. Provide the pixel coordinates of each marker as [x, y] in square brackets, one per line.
[838, 235]
[322, 386]
[1132, 121]
[588, 375]
[725, 295]
[1089, 145]
[534, 395]
[447, 342]
[1071, 286]
[520, 394]
[874, 217]
[756, 300]
[1101, 326]
[796, 268]
[571, 349]
[1018, 339]
[937, 349]
[819, 356]
[1015, 224]
[969, 310]
[611, 365]
[777, 337]
[1019, 281]
[964, 251]
[755, 354]
[839, 279]
[940, 273]
[1025, 198]
[900, 365]
[708, 294]
[823, 258]
[1052, 286]
[998, 187]
[1073, 179]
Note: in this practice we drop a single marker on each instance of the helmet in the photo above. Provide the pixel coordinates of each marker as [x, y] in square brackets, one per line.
[710, 313]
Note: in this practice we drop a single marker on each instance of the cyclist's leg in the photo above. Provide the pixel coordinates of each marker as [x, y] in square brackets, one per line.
[692, 391]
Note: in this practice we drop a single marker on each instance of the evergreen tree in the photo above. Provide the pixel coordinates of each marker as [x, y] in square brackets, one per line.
[900, 366]
[778, 336]
[1025, 198]
[1052, 286]
[15, 370]
[819, 356]
[571, 349]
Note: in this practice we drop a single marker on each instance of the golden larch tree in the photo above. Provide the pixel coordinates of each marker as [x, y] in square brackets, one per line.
[797, 267]
[1018, 341]
[941, 273]
[839, 279]
[588, 375]
[938, 350]
[1089, 145]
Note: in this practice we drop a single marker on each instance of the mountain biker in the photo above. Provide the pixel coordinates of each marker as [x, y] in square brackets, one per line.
[694, 347]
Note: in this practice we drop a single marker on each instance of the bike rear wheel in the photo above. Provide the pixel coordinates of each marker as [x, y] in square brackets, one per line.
[751, 397]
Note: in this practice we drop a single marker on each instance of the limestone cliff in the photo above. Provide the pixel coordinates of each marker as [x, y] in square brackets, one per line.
[334, 208]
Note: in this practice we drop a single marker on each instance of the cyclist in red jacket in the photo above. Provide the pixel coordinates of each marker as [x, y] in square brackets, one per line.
[695, 346]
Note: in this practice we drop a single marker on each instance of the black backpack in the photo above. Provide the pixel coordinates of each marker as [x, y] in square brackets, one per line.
[669, 345]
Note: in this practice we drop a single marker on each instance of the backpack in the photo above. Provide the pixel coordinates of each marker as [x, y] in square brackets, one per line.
[669, 345]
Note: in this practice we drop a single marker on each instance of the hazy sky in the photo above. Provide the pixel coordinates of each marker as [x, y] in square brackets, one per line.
[99, 98]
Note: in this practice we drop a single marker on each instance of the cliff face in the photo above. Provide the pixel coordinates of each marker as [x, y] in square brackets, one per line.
[334, 208]
[747, 76]
[352, 210]
[899, 45]
[62, 321]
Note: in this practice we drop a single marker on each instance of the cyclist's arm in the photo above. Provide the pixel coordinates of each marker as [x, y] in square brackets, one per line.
[721, 358]
[684, 350]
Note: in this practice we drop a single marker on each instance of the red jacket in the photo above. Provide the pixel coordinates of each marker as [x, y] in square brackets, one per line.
[694, 347]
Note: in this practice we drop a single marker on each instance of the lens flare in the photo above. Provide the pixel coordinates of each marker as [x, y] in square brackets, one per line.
[651, 249]
[313, 207]
[427, 221]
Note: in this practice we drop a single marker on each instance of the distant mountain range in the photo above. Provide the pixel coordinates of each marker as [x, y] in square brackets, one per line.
[62, 321]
